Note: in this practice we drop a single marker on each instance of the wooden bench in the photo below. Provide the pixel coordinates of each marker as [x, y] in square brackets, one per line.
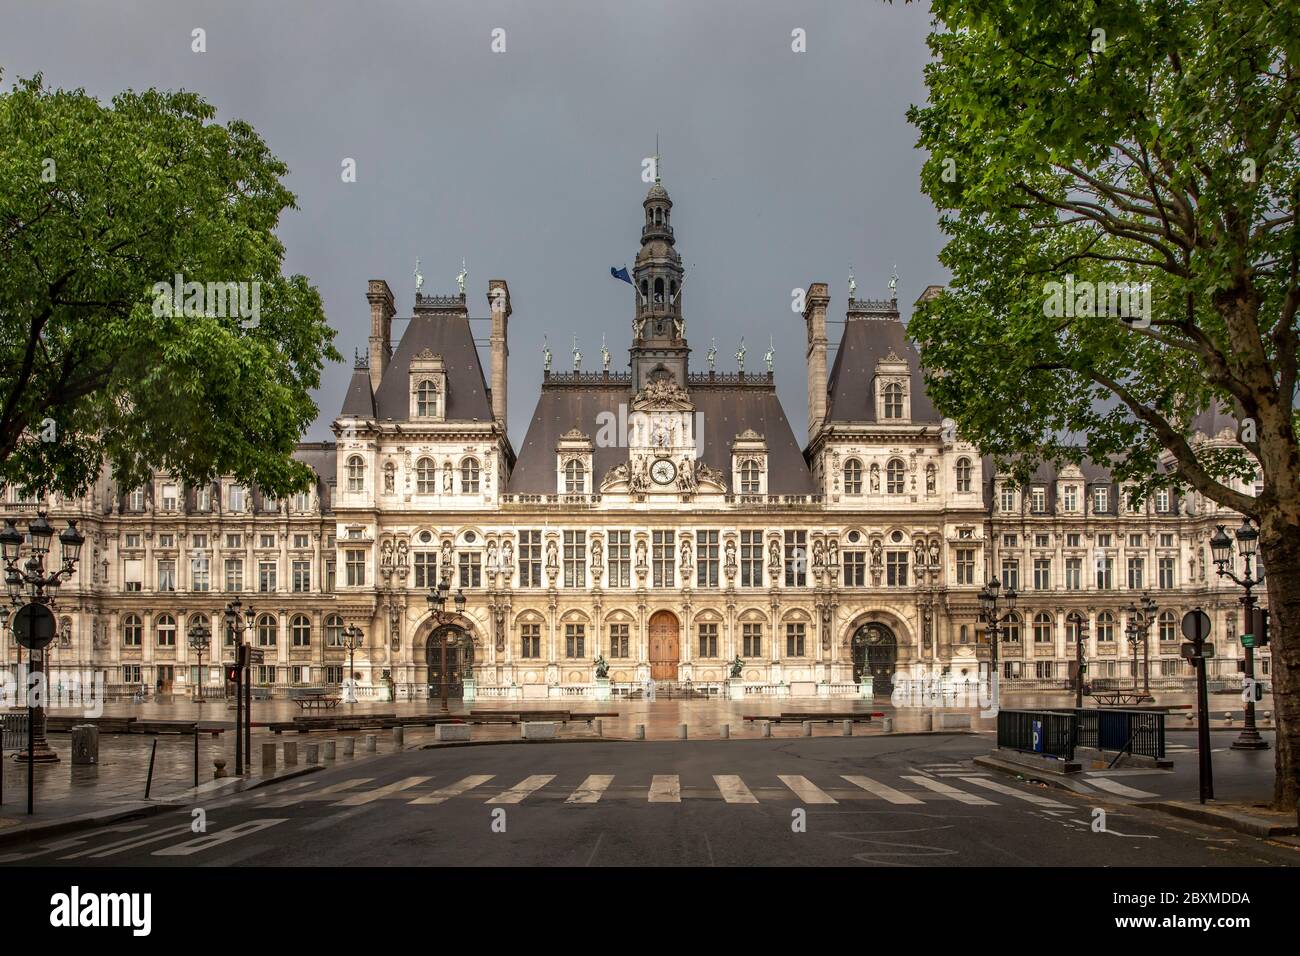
[796, 717]
[563, 716]
[1120, 697]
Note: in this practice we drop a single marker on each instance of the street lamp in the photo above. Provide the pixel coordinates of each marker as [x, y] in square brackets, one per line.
[1140, 617]
[989, 613]
[352, 639]
[236, 628]
[199, 639]
[1221, 549]
[437, 599]
[1080, 623]
[29, 580]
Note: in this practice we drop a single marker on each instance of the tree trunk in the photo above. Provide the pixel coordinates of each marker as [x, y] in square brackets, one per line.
[1280, 547]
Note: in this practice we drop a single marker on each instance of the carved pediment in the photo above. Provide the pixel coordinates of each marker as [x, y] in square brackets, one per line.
[663, 393]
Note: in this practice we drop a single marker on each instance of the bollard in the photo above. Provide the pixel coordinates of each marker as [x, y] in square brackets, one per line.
[681, 732]
[329, 750]
[807, 728]
[313, 753]
[219, 768]
[725, 731]
[268, 758]
[927, 721]
[349, 746]
[767, 728]
[887, 724]
[640, 731]
[399, 736]
[600, 728]
[846, 728]
[371, 743]
[1227, 718]
[290, 754]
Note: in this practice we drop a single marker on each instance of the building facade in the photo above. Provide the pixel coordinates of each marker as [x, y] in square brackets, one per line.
[663, 518]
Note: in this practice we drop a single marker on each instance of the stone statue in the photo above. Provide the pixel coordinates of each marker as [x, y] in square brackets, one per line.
[713, 353]
[604, 353]
[462, 276]
[736, 665]
[769, 358]
[602, 668]
[934, 554]
[597, 552]
[419, 279]
[390, 473]
[893, 285]
[919, 550]
[929, 479]
[679, 326]
[731, 556]
[446, 477]
[875, 477]
[640, 553]
[853, 285]
[552, 554]
[492, 556]
[876, 557]
[577, 356]
[686, 554]
[508, 554]
[773, 554]
[819, 554]
[833, 553]
[546, 355]
[740, 356]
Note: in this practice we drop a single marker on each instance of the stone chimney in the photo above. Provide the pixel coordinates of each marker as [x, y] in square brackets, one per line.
[380, 298]
[499, 304]
[814, 314]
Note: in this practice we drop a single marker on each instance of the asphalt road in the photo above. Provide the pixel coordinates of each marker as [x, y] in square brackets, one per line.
[884, 801]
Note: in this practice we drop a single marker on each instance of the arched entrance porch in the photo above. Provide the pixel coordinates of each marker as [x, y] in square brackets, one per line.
[459, 659]
[875, 654]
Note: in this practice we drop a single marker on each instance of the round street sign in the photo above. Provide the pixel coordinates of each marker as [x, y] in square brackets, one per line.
[34, 626]
[1196, 625]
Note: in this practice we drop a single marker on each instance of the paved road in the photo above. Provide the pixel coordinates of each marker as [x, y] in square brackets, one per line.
[902, 801]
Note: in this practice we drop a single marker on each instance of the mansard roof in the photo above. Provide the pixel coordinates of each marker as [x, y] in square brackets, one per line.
[443, 332]
[359, 401]
[873, 330]
[727, 408]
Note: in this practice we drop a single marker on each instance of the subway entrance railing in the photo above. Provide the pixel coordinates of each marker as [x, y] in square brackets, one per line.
[1056, 733]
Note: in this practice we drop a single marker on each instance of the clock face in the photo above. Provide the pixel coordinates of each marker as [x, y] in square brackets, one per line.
[663, 471]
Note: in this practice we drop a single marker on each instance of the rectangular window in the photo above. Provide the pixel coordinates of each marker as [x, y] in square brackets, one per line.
[795, 634]
[426, 570]
[855, 569]
[130, 673]
[234, 541]
[1045, 670]
[530, 640]
[665, 568]
[618, 640]
[575, 640]
[1042, 574]
[167, 575]
[1042, 541]
[132, 541]
[896, 569]
[333, 673]
[1010, 541]
[1105, 572]
[575, 559]
[1008, 498]
[1166, 541]
[237, 498]
[133, 574]
[301, 577]
[354, 562]
[234, 574]
[1070, 497]
[751, 559]
[530, 559]
[751, 639]
[708, 645]
[618, 555]
[267, 540]
[1010, 573]
[965, 565]
[1038, 500]
[1072, 540]
[1135, 541]
[706, 559]
[166, 540]
[471, 570]
[1074, 574]
[169, 497]
[200, 572]
[796, 559]
[1168, 577]
[1100, 500]
[266, 576]
[329, 577]
[301, 541]
[1136, 567]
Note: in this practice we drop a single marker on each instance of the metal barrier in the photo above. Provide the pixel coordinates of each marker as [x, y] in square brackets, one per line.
[13, 731]
[1140, 732]
[1038, 731]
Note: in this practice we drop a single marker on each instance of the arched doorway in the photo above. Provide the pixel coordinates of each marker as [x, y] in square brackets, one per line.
[875, 653]
[665, 645]
[460, 659]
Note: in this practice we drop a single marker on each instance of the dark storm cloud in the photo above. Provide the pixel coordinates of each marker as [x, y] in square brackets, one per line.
[785, 168]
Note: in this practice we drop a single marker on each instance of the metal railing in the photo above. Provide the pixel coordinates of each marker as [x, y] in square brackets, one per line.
[1139, 732]
[13, 731]
[1038, 731]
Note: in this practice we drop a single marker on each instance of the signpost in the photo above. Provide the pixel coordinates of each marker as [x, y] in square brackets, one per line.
[1196, 628]
[33, 629]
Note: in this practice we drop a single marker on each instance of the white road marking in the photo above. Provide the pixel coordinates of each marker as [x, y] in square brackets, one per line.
[1018, 794]
[1115, 787]
[455, 790]
[805, 789]
[939, 786]
[216, 839]
[360, 799]
[321, 794]
[519, 791]
[665, 788]
[131, 843]
[733, 789]
[591, 789]
[881, 790]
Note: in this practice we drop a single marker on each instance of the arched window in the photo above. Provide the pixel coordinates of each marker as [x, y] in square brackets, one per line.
[659, 290]
[333, 631]
[1168, 626]
[266, 631]
[356, 473]
[853, 477]
[1042, 628]
[469, 476]
[894, 476]
[165, 631]
[1105, 626]
[300, 631]
[426, 399]
[1011, 628]
[894, 401]
[132, 631]
[575, 477]
[963, 474]
[749, 478]
[426, 474]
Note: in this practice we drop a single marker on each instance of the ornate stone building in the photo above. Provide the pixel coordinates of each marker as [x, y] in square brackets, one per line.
[662, 517]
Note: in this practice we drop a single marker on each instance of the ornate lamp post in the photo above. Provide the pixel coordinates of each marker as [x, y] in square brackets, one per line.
[243, 705]
[353, 637]
[437, 599]
[30, 581]
[1080, 623]
[990, 614]
[1140, 617]
[1221, 548]
[199, 639]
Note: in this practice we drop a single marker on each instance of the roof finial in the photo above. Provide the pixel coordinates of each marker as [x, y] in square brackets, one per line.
[770, 357]
[853, 285]
[462, 276]
[419, 279]
[577, 356]
[546, 355]
[604, 352]
[713, 353]
[657, 160]
[893, 284]
[740, 356]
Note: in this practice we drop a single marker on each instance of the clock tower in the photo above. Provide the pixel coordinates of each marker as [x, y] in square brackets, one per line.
[659, 346]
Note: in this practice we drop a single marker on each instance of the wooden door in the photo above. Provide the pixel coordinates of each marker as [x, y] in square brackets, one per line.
[665, 637]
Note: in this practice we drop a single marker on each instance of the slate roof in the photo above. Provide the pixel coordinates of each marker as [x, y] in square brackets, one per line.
[870, 332]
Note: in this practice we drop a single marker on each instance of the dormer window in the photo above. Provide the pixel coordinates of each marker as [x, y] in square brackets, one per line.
[428, 377]
[426, 399]
[1007, 501]
[1070, 497]
[575, 477]
[1100, 500]
[1038, 499]
[750, 478]
[894, 401]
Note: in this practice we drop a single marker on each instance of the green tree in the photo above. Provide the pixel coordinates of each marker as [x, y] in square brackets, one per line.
[102, 209]
[1148, 141]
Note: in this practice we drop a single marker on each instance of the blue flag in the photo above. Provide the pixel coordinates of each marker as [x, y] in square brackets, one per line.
[621, 274]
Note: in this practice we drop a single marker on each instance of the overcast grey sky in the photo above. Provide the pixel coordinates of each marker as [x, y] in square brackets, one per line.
[785, 168]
